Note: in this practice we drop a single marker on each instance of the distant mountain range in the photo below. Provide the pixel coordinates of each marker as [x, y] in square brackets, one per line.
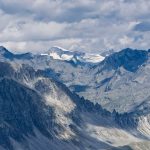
[75, 101]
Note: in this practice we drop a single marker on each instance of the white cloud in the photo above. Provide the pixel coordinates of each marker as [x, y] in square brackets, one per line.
[125, 40]
[89, 25]
[32, 31]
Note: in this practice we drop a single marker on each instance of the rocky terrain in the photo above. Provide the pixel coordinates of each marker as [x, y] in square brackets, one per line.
[60, 104]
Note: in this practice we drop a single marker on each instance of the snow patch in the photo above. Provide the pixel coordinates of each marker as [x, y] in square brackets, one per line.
[93, 58]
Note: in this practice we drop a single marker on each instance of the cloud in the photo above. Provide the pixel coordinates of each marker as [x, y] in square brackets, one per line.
[143, 27]
[87, 25]
[32, 31]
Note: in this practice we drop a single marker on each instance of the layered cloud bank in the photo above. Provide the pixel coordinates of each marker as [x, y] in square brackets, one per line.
[74, 24]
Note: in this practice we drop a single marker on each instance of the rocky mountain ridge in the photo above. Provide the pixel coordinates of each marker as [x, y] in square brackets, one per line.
[38, 110]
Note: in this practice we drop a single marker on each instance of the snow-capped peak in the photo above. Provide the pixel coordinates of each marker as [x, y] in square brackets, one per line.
[59, 53]
[93, 58]
[60, 48]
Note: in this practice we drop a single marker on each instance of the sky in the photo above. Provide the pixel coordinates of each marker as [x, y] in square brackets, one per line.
[83, 25]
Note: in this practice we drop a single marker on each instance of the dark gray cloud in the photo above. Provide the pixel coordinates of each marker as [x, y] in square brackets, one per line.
[90, 25]
[143, 27]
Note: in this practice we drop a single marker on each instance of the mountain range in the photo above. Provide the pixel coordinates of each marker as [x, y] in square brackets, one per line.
[62, 100]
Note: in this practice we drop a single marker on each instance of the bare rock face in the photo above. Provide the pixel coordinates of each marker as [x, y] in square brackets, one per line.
[22, 110]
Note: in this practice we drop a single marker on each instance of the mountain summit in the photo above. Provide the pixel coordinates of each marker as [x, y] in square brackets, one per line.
[6, 54]
[128, 58]
[66, 55]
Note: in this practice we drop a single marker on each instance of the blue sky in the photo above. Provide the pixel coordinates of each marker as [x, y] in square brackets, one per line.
[85, 25]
